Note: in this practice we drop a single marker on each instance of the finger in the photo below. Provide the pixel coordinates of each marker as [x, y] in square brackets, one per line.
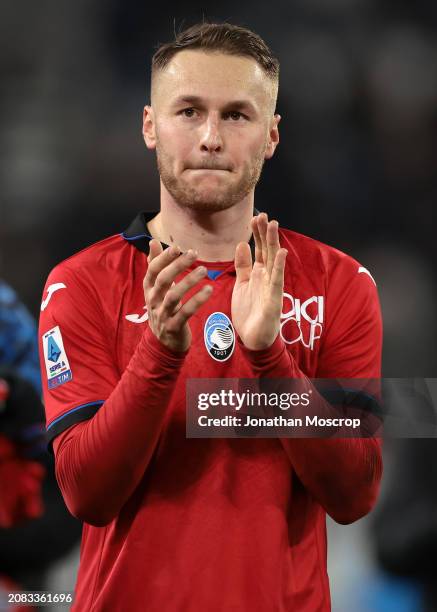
[158, 260]
[273, 245]
[190, 307]
[167, 275]
[277, 278]
[173, 297]
[243, 262]
[262, 228]
[257, 238]
[155, 248]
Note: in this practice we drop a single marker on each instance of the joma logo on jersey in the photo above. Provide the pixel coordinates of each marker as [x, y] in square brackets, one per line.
[302, 320]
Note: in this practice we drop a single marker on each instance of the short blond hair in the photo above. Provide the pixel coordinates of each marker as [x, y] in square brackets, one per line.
[223, 37]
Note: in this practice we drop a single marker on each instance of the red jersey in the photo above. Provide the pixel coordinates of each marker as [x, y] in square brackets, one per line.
[189, 525]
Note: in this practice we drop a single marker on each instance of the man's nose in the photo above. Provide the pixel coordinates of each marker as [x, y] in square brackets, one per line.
[211, 139]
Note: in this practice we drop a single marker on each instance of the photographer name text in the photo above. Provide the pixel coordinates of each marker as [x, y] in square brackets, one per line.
[277, 421]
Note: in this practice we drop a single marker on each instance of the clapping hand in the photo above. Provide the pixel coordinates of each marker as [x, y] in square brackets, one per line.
[168, 316]
[258, 291]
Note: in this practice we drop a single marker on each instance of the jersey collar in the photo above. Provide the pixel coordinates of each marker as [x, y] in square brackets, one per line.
[137, 233]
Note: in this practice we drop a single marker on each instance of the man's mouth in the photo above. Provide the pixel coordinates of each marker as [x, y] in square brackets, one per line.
[207, 167]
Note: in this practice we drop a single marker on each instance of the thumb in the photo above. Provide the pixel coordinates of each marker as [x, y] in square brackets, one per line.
[243, 262]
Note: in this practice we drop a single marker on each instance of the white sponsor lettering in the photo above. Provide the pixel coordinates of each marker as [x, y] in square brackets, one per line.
[303, 321]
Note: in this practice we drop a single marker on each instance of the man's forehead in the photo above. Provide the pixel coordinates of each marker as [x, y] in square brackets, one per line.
[198, 71]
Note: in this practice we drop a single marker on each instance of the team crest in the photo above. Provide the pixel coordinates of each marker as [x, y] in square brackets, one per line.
[55, 358]
[219, 336]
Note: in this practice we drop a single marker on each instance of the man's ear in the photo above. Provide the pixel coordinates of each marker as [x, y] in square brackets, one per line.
[149, 134]
[273, 140]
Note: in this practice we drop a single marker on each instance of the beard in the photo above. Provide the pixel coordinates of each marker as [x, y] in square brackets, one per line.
[208, 200]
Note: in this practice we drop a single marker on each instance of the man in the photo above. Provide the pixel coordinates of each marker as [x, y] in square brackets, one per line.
[181, 524]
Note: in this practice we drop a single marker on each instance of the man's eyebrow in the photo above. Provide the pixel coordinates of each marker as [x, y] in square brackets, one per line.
[240, 105]
[191, 100]
[196, 101]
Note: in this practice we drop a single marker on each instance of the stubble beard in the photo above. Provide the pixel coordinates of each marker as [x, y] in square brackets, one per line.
[187, 196]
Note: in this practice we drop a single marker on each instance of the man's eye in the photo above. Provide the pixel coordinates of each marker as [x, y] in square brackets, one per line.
[234, 115]
[188, 112]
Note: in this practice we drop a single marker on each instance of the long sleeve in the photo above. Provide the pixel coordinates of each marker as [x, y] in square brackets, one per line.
[99, 462]
[342, 474]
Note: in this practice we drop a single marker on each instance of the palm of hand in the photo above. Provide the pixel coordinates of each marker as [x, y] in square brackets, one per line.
[257, 295]
[254, 311]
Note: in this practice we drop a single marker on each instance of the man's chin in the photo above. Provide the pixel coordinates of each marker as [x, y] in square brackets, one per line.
[207, 199]
[205, 204]
[207, 195]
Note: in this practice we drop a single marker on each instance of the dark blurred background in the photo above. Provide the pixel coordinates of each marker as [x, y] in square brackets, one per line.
[356, 167]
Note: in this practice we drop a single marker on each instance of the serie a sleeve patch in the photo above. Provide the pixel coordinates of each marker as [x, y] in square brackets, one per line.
[55, 358]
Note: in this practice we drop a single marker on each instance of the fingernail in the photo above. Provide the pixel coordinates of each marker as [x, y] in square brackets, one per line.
[201, 270]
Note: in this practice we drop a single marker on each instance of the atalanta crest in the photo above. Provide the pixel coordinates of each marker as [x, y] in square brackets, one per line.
[219, 336]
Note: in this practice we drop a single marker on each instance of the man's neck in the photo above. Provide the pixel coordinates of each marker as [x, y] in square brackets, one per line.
[213, 235]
